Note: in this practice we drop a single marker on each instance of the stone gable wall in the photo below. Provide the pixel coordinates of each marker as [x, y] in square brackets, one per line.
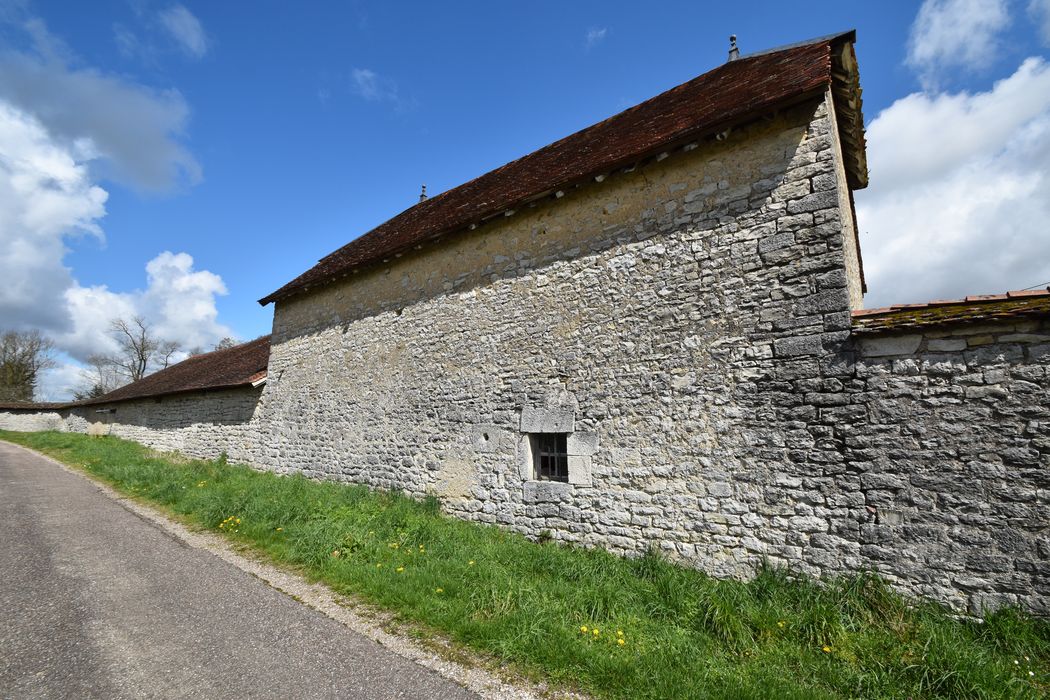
[656, 310]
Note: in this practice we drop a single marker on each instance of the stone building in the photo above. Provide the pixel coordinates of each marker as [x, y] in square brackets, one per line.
[202, 406]
[650, 334]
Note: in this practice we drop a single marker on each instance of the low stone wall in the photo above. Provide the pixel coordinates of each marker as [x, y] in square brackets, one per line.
[201, 424]
[953, 461]
[31, 420]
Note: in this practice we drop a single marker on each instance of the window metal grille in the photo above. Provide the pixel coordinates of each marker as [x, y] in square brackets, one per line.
[552, 456]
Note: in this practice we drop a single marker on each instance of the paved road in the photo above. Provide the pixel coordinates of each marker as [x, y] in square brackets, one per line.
[97, 602]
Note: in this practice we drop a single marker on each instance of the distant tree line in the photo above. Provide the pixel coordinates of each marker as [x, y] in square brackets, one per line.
[24, 355]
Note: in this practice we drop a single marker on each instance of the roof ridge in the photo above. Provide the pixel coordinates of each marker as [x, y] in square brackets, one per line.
[727, 94]
[847, 34]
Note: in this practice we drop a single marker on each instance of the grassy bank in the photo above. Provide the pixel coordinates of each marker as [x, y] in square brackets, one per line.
[587, 619]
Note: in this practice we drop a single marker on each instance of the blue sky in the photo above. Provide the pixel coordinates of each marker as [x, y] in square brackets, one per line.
[257, 137]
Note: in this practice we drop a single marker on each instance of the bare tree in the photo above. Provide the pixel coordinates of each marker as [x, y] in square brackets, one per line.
[225, 344]
[141, 351]
[23, 356]
[100, 377]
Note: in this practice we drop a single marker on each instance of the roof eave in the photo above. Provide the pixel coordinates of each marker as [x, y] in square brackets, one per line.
[843, 80]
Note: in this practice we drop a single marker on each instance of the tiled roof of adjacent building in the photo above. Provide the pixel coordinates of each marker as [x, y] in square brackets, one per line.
[972, 309]
[219, 369]
[42, 406]
[240, 365]
[733, 93]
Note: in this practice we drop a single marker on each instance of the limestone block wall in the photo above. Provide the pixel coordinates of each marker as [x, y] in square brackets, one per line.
[688, 327]
[199, 424]
[659, 317]
[30, 420]
[953, 460]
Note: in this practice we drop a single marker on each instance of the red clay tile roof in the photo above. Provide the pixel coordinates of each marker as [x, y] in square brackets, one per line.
[221, 369]
[972, 309]
[43, 406]
[730, 94]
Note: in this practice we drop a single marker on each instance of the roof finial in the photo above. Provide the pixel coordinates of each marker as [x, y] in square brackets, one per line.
[734, 52]
[423, 194]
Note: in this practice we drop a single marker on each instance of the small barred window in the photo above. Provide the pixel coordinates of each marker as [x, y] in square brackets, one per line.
[551, 455]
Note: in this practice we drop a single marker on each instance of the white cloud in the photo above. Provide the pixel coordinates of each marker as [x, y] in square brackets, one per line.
[59, 382]
[958, 199]
[135, 130]
[1040, 13]
[370, 86]
[127, 43]
[186, 29]
[594, 36]
[56, 139]
[47, 196]
[367, 84]
[178, 300]
[955, 34]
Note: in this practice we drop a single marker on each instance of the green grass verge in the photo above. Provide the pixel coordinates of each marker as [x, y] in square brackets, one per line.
[560, 611]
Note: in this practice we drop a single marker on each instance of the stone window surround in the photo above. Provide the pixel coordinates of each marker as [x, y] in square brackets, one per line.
[580, 445]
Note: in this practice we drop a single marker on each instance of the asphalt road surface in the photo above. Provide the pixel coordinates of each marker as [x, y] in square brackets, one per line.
[96, 602]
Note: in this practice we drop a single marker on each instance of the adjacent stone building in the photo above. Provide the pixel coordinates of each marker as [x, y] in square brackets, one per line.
[202, 407]
[650, 334]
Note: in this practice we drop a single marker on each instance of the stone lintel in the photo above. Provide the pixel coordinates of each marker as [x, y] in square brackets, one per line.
[547, 420]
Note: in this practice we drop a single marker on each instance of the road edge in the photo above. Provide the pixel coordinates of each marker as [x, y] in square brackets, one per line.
[357, 616]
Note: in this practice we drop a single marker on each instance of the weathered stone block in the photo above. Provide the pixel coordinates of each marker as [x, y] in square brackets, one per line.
[546, 491]
[946, 344]
[583, 443]
[579, 470]
[487, 438]
[803, 345]
[883, 346]
[547, 420]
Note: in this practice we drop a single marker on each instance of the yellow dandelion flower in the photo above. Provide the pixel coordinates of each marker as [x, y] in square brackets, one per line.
[439, 590]
[619, 633]
[595, 632]
[470, 563]
[400, 569]
[620, 641]
[780, 624]
[826, 649]
[280, 529]
[379, 566]
[583, 628]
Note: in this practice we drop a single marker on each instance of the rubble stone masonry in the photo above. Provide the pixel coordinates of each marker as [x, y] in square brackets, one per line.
[201, 424]
[688, 326]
